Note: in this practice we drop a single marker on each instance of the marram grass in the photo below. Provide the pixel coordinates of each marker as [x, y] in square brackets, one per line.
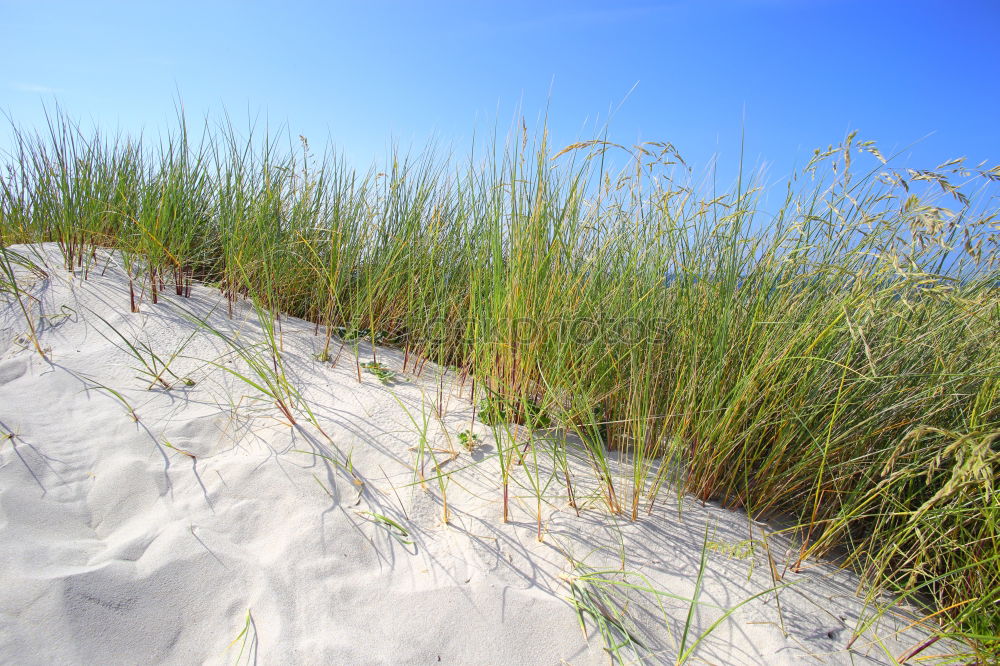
[832, 353]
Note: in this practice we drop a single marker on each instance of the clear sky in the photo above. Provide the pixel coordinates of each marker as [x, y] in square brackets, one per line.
[801, 72]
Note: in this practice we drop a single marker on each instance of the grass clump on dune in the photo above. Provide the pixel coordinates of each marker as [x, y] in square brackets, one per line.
[833, 355]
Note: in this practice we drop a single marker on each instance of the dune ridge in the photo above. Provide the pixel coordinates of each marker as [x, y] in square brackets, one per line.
[195, 525]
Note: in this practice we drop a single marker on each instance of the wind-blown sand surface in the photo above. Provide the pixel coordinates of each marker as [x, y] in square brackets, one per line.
[161, 540]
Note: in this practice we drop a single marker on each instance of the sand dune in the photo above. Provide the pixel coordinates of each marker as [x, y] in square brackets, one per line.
[208, 530]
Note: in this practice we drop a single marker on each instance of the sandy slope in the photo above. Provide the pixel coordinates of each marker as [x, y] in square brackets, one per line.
[116, 548]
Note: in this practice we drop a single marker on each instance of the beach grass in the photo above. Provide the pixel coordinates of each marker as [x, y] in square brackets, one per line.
[829, 353]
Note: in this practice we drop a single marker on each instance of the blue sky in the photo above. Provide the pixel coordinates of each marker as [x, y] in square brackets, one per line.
[802, 73]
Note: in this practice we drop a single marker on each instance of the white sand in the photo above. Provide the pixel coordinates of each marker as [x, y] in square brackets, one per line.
[116, 549]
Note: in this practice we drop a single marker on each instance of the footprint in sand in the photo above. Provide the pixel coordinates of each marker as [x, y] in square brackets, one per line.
[12, 369]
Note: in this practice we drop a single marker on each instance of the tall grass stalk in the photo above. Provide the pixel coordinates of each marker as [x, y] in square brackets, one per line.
[9, 261]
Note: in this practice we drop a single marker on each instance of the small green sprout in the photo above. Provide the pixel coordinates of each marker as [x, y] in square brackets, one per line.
[469, 440]
[353, 334]
[382, 373]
